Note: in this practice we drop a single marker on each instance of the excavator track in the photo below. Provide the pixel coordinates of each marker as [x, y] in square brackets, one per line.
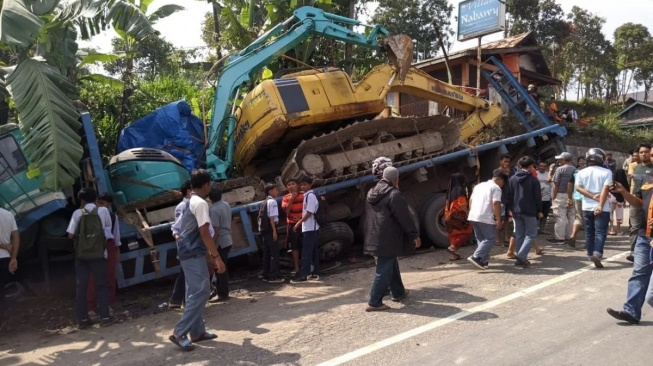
[237, 191]
[348, 152]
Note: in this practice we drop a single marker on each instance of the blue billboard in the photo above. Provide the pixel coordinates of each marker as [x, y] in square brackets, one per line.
[480, 17]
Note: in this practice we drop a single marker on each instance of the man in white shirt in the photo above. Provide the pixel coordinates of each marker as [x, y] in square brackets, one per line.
[269, 218]
[97, 267]
[194, 245]
[9, 245]
[310, 229]
[594, 184]
[179, 290]
[220, 213]
[485, 216]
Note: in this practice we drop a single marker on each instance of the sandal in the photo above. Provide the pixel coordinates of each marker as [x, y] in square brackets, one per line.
[539, 251]
[182, 342]
[204, 337]
[612, 232]
[454, 253]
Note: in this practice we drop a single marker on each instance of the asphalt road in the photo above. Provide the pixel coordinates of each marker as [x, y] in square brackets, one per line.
[562, 324]
[550, 314]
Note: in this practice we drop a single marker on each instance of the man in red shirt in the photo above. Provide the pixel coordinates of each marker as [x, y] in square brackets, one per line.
[292, 205]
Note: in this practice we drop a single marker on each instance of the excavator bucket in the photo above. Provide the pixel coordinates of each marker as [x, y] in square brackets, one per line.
[400, 52]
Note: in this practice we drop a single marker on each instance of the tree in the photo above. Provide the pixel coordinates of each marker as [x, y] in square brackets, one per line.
[644, 73]
[425, 21]
[127, 11]
[629, 41]
[588, 48]
[151, 56]
[522, 16]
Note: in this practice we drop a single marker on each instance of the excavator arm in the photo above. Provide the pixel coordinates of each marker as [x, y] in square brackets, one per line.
[382, 79]
[242, 67]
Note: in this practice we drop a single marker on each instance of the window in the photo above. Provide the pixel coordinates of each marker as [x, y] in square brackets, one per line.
[12, 160]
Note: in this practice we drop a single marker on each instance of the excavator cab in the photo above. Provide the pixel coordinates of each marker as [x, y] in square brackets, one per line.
[20, 191]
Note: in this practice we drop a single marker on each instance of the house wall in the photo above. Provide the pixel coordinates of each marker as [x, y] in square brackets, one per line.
[638, 111]
[526, 62]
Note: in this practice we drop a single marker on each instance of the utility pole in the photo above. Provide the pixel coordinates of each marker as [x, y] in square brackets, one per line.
[349, 48]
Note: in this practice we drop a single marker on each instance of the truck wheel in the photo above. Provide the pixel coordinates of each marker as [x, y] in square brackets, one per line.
[432, 218]
[334, 238]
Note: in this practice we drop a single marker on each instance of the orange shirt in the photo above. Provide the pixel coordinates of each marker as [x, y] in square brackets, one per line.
[295, 210]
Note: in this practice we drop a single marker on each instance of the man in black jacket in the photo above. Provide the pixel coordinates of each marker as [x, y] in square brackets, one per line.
[388, 225]
[526, 207]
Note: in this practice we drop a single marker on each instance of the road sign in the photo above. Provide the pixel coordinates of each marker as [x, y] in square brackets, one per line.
[477, 18]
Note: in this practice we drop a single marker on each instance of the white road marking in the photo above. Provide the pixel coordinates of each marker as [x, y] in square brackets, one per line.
[444, 321]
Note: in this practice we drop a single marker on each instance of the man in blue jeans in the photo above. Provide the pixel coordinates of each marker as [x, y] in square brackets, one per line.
[389, 232]
[485, 216]
[525, 203]
[594, 183]
[640, 286]
[193, 245]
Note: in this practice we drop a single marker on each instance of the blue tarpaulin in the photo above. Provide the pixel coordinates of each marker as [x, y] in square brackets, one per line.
[172, 128]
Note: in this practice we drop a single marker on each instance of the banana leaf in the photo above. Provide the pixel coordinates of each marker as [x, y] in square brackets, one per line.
[48, 120]
[129, 20]
[164, 11]
[18, 26]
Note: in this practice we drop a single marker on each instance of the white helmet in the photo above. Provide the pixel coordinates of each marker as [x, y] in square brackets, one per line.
[379, 164]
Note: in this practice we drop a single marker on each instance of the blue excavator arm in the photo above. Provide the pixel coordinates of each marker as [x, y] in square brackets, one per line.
[242, 67]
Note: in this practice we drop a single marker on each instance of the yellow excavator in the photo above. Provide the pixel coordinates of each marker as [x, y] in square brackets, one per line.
[278, 114]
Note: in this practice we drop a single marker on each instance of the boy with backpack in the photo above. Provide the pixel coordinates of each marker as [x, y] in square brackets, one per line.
[90, 227]
[267, 225]
[310, 225]
[113, 258]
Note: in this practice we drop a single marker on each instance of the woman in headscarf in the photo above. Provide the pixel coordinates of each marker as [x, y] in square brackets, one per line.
[617, 205]
[455, 215]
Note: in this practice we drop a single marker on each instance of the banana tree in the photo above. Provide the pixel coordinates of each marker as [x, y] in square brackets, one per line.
[41, 35]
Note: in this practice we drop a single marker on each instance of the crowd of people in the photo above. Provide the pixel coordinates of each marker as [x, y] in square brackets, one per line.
[589, 196]
[586, 194]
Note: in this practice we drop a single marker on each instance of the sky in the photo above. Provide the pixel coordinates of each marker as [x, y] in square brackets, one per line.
[184, 28]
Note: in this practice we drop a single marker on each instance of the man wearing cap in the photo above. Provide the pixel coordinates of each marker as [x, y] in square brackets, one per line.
[390, 231]
[564, 211]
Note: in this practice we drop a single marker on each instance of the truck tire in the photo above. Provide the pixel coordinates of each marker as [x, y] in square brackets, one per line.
[334, 238]
[432, 219]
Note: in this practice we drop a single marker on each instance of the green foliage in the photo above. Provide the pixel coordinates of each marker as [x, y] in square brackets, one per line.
[103, 101]
[149, 57]
[48, 119]
[425, 21]
[544, 17]
[19, 27]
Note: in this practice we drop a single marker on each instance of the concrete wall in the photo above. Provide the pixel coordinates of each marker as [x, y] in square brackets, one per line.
[578, 151]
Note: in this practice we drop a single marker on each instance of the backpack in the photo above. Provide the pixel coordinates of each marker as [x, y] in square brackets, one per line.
[322, 214]
[263, 218]
[90, 242]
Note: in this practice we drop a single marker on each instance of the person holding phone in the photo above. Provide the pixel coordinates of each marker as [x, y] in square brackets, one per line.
[640, 286]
